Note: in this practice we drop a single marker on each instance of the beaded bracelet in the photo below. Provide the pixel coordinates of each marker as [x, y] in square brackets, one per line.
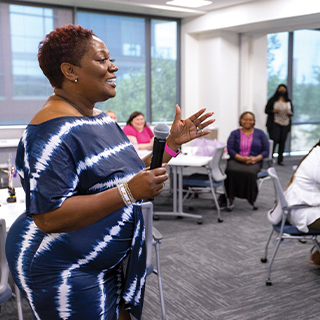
[126, 194]
[132, 199]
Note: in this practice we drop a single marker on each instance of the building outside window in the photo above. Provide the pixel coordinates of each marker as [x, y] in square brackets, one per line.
[277, 58]
[125, 40]
[164, 70]
[24, 88]
[145, 49]
[306, 90]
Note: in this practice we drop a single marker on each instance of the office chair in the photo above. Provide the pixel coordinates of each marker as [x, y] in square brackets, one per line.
[213, 179]
[153, 239]
[263, 174]
[277, 216]
[5, 289]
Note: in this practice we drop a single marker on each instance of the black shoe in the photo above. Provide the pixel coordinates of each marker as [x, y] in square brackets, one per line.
[280, 163]
[222, 200]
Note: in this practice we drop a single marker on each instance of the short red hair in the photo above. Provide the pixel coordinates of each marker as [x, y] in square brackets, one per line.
[63, 44]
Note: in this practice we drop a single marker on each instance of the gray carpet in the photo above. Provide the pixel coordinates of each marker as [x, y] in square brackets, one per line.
[213, 271]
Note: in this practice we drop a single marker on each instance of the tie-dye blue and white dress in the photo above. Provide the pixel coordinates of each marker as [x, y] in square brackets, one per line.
[77, 275]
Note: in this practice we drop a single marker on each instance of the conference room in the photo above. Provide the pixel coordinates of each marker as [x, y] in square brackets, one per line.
[227, 56]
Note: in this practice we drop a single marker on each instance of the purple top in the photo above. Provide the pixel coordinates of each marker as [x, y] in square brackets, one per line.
[260, 144]
[245, 144]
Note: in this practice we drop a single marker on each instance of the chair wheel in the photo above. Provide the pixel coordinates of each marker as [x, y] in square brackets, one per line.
[199, 222]
[264, 260]
[268, 282]
[156, 218]
[255, 208]
[220, 220]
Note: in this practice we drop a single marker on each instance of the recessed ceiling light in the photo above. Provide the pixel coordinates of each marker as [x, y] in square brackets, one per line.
[189, 3]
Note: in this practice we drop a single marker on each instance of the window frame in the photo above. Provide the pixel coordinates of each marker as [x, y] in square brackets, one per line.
[289, 83]
[148, 18]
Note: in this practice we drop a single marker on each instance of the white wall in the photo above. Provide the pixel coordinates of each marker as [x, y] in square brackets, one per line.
[218, 78]
[221, 73]
[258, 16]
[253, 77]
[229, 49]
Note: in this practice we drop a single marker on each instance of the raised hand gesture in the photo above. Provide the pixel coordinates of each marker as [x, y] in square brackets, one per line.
[183, 131]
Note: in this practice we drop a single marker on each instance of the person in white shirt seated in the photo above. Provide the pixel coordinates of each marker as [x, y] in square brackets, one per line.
[304, 189]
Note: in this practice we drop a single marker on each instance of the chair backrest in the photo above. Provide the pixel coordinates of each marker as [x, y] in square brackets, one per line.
[276, 213]
[215, 165]
[147, 211]
[4, 268]
[270, 149]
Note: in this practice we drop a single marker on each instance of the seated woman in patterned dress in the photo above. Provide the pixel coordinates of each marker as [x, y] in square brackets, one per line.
[83, 182]
[247, 147]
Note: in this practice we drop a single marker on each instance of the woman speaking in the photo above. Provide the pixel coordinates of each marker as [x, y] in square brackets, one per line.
[84, 182]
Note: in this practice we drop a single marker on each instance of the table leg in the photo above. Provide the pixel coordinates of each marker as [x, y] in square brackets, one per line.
[175, 188]
[177, 175]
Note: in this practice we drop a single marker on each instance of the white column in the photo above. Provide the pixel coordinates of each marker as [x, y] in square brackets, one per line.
[253, 76]
[210, 77]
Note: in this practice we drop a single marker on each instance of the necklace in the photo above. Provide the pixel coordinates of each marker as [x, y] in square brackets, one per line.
[71, 104]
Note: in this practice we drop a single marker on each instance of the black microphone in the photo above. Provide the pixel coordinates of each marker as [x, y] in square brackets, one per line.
[161, 132]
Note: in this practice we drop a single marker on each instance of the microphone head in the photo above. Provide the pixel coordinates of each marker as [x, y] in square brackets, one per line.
[161, 131]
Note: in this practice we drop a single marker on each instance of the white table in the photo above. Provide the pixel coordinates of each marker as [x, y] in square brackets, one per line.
[9, 143]
[177, 164]
[143, 153]
[11, 211]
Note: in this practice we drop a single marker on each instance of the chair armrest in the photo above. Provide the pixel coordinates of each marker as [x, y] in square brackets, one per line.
[156, 234]
[270, 163]
[298, 206]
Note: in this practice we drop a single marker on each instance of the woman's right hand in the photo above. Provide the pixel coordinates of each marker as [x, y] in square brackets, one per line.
[148, 183]
[241, 158]
[83, 210]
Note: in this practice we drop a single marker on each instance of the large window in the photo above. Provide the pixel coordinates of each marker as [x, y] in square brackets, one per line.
[27, 26]
[306, 89]
[125, 40]
[24, 88]
[302, 74]
[145, 50]
[277, 60]
[164, 69]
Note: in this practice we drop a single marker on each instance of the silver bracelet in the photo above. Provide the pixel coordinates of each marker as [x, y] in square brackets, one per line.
[132, 199]
[125, 194]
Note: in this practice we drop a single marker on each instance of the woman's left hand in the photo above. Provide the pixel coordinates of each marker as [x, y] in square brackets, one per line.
[254, 159]
[183, 131]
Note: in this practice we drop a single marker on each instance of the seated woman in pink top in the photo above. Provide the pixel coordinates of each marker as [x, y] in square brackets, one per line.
[138, 132]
